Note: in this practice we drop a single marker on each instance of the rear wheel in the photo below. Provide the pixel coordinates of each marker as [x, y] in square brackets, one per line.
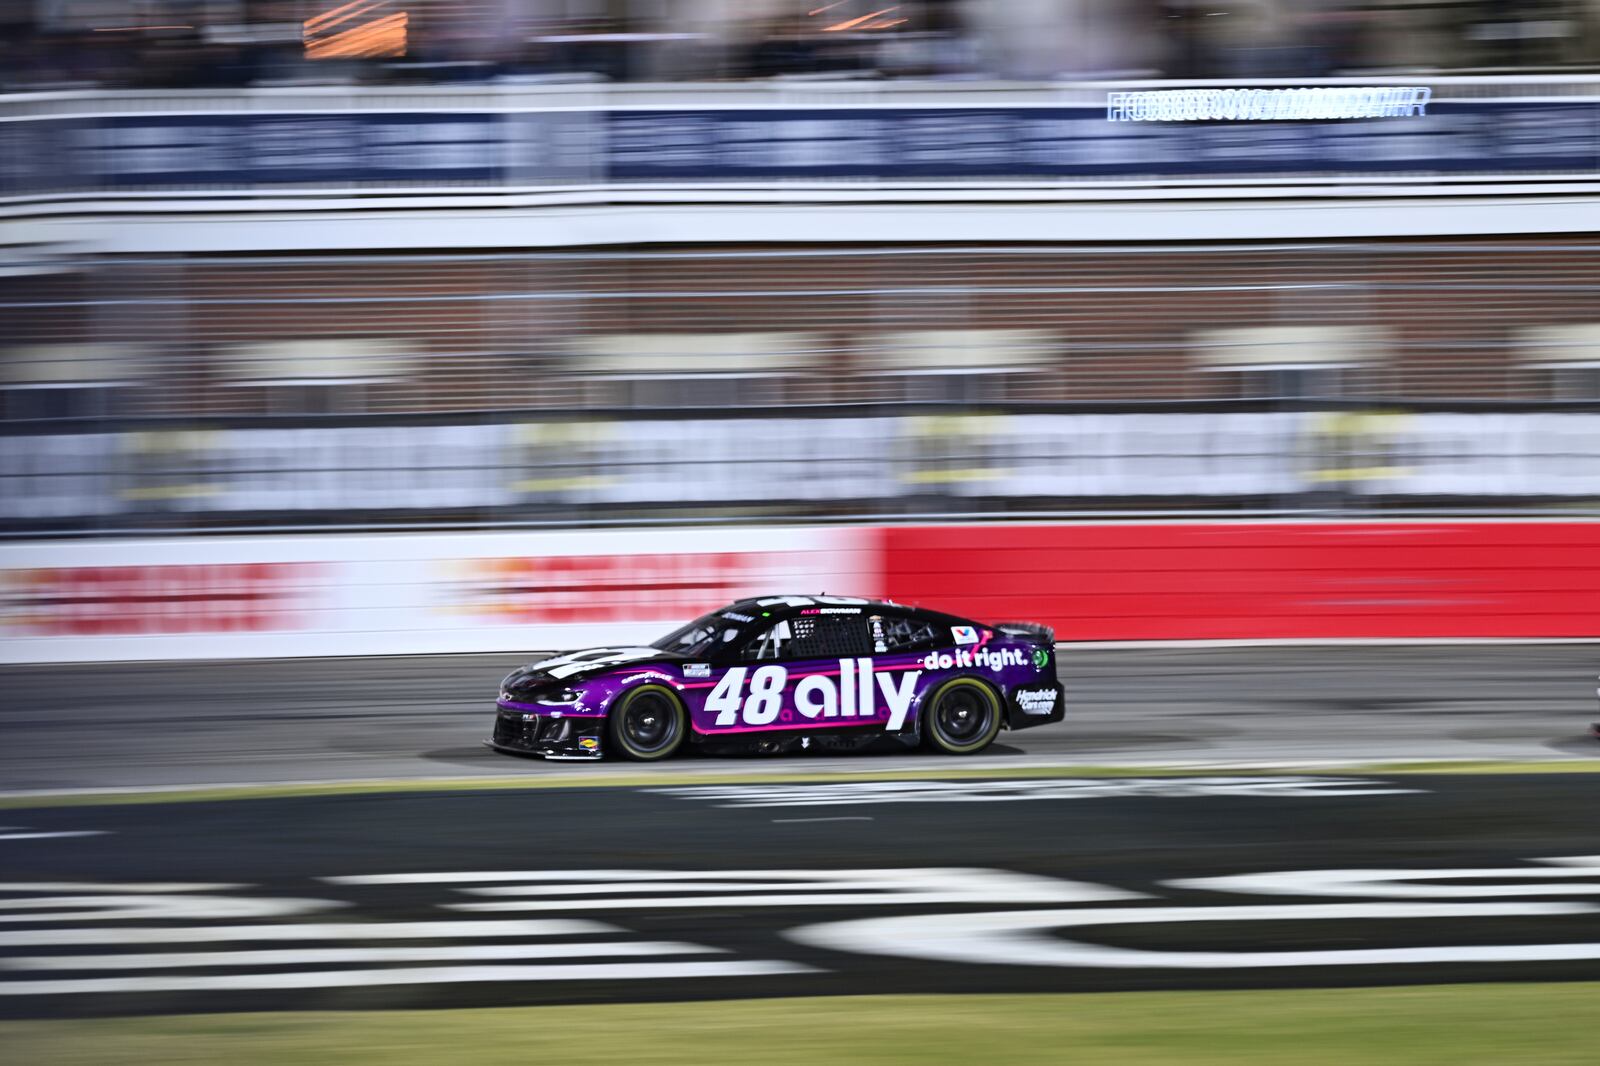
[962, 717]
[647, 723]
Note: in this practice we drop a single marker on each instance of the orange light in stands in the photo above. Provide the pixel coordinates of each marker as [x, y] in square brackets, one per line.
[826, 7]
[343, 13]
[850, 24]
[380, 37]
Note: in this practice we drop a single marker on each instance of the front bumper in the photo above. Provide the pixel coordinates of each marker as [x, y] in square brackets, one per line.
[552, 736]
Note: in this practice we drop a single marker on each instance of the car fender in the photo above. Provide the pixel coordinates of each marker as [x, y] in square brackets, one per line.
[613, 685]
[915, 718]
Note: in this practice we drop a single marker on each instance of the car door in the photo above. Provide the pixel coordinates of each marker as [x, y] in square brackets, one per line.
[812, 671]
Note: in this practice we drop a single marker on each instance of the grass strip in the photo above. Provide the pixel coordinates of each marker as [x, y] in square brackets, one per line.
[1429, 1025]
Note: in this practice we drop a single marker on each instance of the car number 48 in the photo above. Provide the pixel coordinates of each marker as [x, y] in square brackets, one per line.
[853, 694]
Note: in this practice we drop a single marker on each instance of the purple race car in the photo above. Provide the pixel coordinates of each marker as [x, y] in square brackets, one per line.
[786, 673]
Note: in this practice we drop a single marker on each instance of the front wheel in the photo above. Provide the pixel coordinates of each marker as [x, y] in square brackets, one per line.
[962, 717]
[647, 723]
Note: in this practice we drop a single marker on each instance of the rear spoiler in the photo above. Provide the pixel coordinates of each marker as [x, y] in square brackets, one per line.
[1029, 631]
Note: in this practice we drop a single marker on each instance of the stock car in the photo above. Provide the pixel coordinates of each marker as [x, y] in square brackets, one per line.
[778, 674]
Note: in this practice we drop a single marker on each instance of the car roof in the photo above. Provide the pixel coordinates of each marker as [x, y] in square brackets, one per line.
[782, 605]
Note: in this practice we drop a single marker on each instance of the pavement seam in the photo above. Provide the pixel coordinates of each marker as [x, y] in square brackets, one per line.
[190, 793]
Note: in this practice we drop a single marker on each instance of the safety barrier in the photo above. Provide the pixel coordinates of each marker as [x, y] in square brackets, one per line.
[415, 594]
[1260, 581]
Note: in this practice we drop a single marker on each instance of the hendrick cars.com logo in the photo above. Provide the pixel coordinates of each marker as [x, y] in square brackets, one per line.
[609, 588]
[104, 600]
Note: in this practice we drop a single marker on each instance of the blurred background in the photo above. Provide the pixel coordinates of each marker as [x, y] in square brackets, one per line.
[422, 337]
[59, 44]
[275, 265]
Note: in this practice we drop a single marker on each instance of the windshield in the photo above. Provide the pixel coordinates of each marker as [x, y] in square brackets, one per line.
[705, 636]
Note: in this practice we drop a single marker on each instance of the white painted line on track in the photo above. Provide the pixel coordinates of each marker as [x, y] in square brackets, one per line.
[431, 975]
[606, 878]
[792, 888]
[969, 769]
[41, 835]
[840, 818]
[1032, 938]
[318, 956]
[113, 886]
[306, 931]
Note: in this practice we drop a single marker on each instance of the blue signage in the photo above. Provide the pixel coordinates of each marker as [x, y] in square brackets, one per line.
[326, 149]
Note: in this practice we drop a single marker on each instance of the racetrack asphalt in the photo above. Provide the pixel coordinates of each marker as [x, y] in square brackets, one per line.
[614, 894]
[196, 723]
[685, 888]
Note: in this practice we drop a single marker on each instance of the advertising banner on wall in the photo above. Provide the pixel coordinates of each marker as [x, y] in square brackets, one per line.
[529, 469]
[1260, 580]
[257, 597]
[291, 146]
[409, 594]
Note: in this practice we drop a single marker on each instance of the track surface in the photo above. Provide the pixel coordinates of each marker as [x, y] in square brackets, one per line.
[620, 894]
[335, 719]
[684, 891]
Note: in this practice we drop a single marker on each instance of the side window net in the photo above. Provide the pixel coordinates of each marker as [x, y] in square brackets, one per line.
[812, 637]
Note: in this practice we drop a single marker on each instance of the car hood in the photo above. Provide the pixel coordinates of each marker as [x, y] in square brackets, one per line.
[574, 666]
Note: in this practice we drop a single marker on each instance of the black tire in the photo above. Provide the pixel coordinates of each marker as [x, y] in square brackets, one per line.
[963, 717]
[647, 723]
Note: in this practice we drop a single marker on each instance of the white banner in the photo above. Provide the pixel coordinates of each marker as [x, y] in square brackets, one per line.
[1489, 455]
[264, 597]
[284, 475]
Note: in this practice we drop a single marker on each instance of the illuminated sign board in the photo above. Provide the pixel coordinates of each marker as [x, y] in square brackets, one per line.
[1262, 105]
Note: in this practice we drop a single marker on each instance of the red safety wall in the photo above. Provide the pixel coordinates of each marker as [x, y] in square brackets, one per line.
[1257, 580]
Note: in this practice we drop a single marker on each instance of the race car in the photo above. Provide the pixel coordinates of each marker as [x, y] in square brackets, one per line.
[788, 673]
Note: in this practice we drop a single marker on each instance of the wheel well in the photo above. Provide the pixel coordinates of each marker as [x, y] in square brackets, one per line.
[612, 722]
[993, 687]
[1000, 701]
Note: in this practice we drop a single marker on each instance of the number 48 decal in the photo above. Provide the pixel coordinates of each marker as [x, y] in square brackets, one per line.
[761, 707]
[851, 695]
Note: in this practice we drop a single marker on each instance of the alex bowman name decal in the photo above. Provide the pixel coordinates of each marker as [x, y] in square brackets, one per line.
[856, 793]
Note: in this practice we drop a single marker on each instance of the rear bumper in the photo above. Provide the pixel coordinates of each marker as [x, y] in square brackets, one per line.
[551, 736]
[1031, 705]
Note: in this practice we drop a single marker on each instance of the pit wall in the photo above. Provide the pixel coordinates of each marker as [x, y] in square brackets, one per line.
[268, 597]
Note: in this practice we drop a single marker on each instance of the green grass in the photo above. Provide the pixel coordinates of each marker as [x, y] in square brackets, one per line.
[665, 776]
[1432, 1025]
